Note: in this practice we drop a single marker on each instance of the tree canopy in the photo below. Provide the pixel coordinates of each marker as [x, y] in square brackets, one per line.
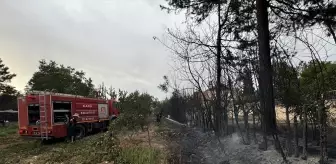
[318, 77]
[135, 108]
[61, 78]
[286, 84]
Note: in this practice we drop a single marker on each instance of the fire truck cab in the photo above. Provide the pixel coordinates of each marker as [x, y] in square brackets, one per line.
[44, 114]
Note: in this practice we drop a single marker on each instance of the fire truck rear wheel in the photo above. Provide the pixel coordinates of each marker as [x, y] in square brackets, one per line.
[80, 131]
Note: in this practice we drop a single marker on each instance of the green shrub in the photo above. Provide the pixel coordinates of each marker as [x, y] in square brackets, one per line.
[8, 130]
[139, 155]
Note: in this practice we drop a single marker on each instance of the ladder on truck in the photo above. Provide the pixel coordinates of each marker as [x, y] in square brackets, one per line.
[43, 115]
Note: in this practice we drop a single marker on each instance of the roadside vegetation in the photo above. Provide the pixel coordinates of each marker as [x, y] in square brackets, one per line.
[92, 149]
[8, 130]
[130, 139]
[124, 145]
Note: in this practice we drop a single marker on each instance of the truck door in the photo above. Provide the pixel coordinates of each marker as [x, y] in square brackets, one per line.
[22, 113]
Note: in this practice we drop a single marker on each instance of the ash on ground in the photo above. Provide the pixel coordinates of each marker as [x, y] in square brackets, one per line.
[197, 147]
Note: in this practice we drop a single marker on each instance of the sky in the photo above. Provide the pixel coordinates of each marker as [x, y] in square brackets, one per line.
[111, 40]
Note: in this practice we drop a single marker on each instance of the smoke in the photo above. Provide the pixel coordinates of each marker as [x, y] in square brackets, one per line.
[235, 139]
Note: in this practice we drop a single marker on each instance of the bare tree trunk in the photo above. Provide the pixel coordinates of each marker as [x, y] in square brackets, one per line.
[323, 134]
[204, 121]
[226, 121]
[149, 138]
[289, 133]
[201, 116]
[263, 145]
[232, 121]
[312, 124]
[238, 126]
[207, 121]
[210, 121]
[236, 111]
[218, 118]
[296, 137]
[254, 127]
[247, 129]
[265, 80]
[304, 153]
[196, 118]
[314, 131]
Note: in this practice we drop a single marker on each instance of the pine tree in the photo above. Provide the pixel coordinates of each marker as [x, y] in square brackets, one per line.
[5, 78]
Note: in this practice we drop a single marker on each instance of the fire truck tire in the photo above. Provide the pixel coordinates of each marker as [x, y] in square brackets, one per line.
[80, 131]
[106, 126]
[103, 127]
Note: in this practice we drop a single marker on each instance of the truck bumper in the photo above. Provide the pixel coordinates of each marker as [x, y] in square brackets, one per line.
[38, 137]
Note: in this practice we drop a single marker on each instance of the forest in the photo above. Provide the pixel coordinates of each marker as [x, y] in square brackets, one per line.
[239, 60]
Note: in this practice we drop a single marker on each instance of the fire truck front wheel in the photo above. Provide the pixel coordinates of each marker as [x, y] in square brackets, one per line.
[80, 131]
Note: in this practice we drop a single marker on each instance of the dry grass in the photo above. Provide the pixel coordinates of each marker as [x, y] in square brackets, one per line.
[132, 150]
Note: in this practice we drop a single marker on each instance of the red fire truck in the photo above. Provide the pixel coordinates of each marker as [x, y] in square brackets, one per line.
[43, 114]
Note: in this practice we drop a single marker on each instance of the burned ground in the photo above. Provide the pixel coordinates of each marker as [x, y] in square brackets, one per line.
[192, 145]
[169, 143]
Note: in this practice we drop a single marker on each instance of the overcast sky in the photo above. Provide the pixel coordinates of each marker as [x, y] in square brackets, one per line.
[111, 40]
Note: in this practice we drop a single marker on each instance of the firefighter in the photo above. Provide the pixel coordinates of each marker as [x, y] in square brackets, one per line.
[67, 124]
[158, 117]
[71, 125]
[72, 129]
